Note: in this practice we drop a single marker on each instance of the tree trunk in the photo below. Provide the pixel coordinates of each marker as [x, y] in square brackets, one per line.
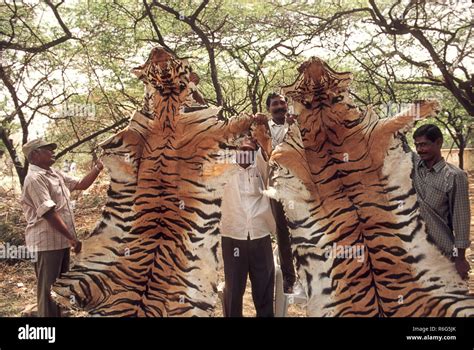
[20, 169]
[461, 156]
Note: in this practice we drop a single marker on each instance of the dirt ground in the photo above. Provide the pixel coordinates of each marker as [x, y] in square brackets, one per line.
[18, 282]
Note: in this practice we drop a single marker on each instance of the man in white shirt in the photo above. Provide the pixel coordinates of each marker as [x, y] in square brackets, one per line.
[278, 124]
[247, 222]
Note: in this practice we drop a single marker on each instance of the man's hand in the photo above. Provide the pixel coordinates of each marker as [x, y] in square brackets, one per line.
[462, 267]
[76, 245]
[99, 165]
[90, 177]
[291, 118]
[260, 118]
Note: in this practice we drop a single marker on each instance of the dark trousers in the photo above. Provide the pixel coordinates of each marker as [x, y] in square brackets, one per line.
[284, 243]
[50, 265]
[253, 258]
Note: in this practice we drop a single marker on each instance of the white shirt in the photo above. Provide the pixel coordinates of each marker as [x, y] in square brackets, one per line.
[278, 132]
[246, 212]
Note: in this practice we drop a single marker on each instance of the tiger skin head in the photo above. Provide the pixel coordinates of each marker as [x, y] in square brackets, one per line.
[318, 87]
[167, 81]
[360, 197]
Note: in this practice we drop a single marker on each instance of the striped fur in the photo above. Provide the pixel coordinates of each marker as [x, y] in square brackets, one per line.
[155, 250]
[344, 177]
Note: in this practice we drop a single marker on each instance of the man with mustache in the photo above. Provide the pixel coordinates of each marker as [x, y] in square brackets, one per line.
[443, 195]
[47, 206]
[278, 107]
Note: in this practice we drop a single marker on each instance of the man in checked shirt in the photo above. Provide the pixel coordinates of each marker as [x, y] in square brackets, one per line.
[442, 191]
[50, 228]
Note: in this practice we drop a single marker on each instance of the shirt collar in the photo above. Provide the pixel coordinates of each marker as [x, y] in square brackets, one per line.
[271, 122]
[36, 169]
[440, 165]
[253, 165]
[436, 168]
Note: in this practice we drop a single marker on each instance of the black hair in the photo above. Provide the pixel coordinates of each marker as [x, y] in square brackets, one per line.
[271, 96]
[431, 131]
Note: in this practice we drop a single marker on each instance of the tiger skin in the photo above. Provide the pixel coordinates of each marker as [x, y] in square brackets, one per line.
[343, 176]
[155, 250]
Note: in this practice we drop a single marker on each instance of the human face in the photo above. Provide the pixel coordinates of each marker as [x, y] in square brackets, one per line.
[246, 155]
[44, 157]
[278, 108]
[428, 151]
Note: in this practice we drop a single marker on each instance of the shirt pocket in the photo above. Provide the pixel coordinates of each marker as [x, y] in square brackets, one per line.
[436, 197]
[56, 190]
[255, 187]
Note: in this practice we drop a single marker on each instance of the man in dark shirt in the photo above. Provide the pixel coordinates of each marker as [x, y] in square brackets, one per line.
[442, 191]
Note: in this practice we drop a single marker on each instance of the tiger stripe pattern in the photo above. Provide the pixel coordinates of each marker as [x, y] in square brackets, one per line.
[155, 251]
[344, 178]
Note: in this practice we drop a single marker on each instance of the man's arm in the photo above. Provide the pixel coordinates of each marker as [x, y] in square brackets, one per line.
[261, 133]
[262, 165]
[461, 214]
[57, 222]
[89, 179]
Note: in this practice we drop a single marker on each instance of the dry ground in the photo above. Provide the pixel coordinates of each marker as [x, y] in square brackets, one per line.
[17, 280]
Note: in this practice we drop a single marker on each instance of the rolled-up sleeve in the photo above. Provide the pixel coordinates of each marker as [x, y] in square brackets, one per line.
[36, 190]
[460, 211]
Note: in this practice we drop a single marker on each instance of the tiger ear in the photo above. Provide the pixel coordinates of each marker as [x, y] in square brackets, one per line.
[194, 78]
[303, 66]
[140, 73]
